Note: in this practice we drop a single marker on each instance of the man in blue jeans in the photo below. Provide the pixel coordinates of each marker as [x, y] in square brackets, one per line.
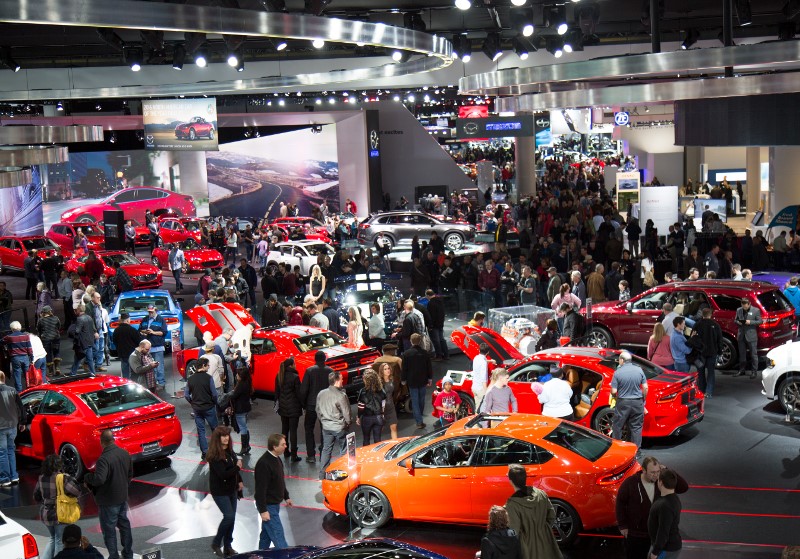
[154, 328]
[271, 492]
[417, 374]
[12, 419]
[202, 395]
[110, 479]
[333, 411]
[678, 346]
[18, 346]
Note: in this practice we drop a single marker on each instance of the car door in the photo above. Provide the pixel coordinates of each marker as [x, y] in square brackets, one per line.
[31, 402]
[635, 325]
[440, 484]
[126, 201]
[55, 424]
[16, 255]
[266, 361]
[490, 485]
[520, 382]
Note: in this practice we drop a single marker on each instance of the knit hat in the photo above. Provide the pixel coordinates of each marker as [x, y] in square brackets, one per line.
[47, 309]
[72, 534]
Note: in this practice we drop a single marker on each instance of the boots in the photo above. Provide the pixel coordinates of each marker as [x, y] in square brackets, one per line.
[56, 366]
[50, 370]
[245, 445]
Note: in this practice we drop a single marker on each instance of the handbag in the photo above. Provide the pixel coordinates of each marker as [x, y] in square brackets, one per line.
[33, 376]
[427, 345]
[68, 511]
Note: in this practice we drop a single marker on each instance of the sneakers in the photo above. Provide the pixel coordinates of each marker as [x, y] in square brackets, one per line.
[202, 456]
[217, 550]
[229, 551]
[101, 369]
[311, 460]
[5, 484]
[420, 425]
[15, 481]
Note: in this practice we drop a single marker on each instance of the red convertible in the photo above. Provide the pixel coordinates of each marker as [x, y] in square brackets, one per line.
[66, 416]
[195, 128]
[143, 276]
[269, 347]
[197, 257]
[673, 400]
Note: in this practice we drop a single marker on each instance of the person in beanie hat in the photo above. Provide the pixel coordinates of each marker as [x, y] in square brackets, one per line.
[76, 546]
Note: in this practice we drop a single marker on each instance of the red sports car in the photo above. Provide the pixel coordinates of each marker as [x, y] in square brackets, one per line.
[313, 233]
[14, 251]
[143, 276]
[196, 127]
[134, 202]
[197, 257]
[66, 417]
[63, 234]
[177, 229]
[269, 347]
[673, 400]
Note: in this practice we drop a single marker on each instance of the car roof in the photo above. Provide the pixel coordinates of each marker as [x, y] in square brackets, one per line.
[82, 383]
[518, 425]
[745, 286]
[145, 293]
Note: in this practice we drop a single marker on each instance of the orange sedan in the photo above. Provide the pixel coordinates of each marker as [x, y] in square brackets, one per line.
[455, 474]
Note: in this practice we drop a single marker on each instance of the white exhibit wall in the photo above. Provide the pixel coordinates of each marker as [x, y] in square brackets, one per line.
[724, 157]
[655, 149]
[351, 141]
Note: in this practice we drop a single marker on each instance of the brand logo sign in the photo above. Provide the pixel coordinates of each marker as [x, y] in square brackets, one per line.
[622, 118]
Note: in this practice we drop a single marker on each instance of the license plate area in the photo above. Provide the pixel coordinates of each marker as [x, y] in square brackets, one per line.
[151, 448]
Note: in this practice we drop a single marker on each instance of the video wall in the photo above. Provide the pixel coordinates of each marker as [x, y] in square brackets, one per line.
[252, 177]
[21, 208]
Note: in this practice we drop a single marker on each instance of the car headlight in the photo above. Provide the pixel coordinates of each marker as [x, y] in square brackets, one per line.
[770, 363]
[336, 475]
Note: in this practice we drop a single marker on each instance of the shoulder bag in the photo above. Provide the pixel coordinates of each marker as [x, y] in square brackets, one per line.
[68, 511]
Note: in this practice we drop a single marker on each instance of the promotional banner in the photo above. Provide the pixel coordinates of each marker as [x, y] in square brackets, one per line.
[495, 127]
[659, 203]
[473, 111]
[180, 124]
[787, 217]
[21, 208]
[571, 121]
[627, 189]
[544, 135]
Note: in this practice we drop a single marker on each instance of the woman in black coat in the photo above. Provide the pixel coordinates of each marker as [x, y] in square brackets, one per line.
[287, 396]
[500, 541]
[225, 485]
[549, 337]
[240, 400]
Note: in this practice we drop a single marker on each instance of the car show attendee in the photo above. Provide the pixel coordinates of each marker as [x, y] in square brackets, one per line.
[270, 492]
[669, 315]
[391, 385]
[574, 324]
[658, 347]
[141, 365]
[109, 482]
[45, 493]
[84, 333]
[76, 546]
[747, 318]
[500, 541]
[499, 397]
[663, 523]
[94, 308]
[629, 388]
[241, 403]
[370, 404]
[130, 237]
[355, 328]
[18, 348]
[549, 338]
[678, 346]
[154, 328]
[531, 515]
[333, 410]
[273, 313]
[417, 374]
[376, 327]
[202, 395]
[315, 380]
[225, 485]
[13, 419]
[316, 318]
[249, 275]
[177, 263]
[708, 331]
[447, 402]
[288, 398]
[126, 339]
[555, 397]
[317, 283]
[49, 327]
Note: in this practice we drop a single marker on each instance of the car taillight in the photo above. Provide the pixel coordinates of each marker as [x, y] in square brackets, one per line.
[615, 477]
[667, 397]
[771, 322]
[29, 547]
[172, 320]
[113, 325]
[136, 321]
[363, 225]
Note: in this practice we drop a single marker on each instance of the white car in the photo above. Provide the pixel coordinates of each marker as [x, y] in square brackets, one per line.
[298, 253]
[15, 541]
[781, 378]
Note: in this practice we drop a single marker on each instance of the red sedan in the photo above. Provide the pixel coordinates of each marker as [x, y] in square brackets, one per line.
[134, 202]
[197, 257]
[177, 229]
[143, 276]
[673, 400]
[269, 347]
[14, 251]
[63, 234]
[66, 417]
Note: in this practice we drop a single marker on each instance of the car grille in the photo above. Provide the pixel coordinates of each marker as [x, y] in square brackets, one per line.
[211, 263]
[145, 237]
[146, 277]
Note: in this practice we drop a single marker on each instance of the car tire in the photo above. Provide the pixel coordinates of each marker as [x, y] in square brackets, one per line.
[191, 368]
[567, 523]
[2, 268]
[71, 458]
[600, 337]
[388, 241]
[211, 134]
[155, 262]
[85, 218]
[728, 355]
[789, 391]
[467, 406]
[453, 241]
[368, 507]
[192, 134]
[602, 421]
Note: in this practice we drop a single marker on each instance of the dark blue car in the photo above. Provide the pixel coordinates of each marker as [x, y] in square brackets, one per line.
[362, 549]
[361, 290]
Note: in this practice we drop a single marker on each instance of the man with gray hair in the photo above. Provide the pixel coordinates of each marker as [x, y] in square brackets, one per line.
[629, 387]
[18, 346]
[333, 410]
[669, 316]
[578, 287]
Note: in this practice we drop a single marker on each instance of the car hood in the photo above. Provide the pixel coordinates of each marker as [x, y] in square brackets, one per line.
[203, 254]
[469, 338]
[216, 317]
[135, 270]
[602, 307]
[785, 354]
[371, 454]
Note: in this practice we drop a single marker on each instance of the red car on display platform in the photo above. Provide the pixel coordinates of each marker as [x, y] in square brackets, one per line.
[177, 229]
[63, 234]
[143, 275]
[196, 127]
[14, 251]
[317, 226]
[134, 202]
[269, 347]
[311, 233]
[673, 400]
[66, 416]
[197, 257]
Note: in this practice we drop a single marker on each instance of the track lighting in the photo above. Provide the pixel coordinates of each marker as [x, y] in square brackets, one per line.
[60, 106]
[522, 19]
[233, 59]
[463, 4]
[240, 64]
[281, 45]
[133, 56]
[491, 46]
[555, 47]
[200, 58]
[401, 56]
[557, 19]
[522, 47]
[178, 57]
[318, 43]
[690, 38]
[518, 2]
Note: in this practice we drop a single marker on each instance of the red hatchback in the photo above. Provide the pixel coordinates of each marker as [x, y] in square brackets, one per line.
[673, 400]
[66, 417]
[63, 234]
[143, 276]
[134, 202]
[177, 229]
[630, 324]
[14, 251]
[197, 257]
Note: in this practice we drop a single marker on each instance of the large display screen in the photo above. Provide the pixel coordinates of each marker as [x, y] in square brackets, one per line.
[253, 177]
[180, 124]
[21, 208]
[709, 204]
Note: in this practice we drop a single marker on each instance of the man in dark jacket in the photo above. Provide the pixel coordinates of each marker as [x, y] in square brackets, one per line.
[273, 313]
[710, 334]
[315, 380]
[201, 393]
[110, 479]
[574, 323]
[270, 492]
[248, 273]
[748, 318]
[664, 519]
[334, 322]
[76, 546]
[12, 420]
[84, 335]
[436, 325]
[635, 497]
[417, 374]
[126, 338]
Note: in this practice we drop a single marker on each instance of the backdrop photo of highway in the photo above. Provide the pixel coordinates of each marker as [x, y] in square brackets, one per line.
[252, 177]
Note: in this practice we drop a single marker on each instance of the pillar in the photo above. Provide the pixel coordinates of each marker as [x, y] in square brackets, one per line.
[525, 160]
[755, 157]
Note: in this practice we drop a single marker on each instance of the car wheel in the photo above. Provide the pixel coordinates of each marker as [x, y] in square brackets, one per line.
[454, 241]
[155, 262]
[191, 368]
[567, 523]
[192, 134]
[789, 391]
[599, 337]
[85, 218]
[467, 406]
[71, 459]
[211, 134]
[603, 422]
[728, 354]
[369, 507]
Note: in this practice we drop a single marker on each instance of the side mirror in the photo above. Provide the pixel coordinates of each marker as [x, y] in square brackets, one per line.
[179, 299]
[410, 466]
[629, 307]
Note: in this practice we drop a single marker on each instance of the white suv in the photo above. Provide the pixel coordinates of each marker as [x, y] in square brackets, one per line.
[15, 541]
[781, 378]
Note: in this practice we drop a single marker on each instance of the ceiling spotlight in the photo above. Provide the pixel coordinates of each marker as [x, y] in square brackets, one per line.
[555, 47]
[573, 38]
[318, 43]
[464, 47]
[522, 19]
[491, 46]
[240, 65]
[522, 47]
[133, 56]
[567, 48]
[318, 101]
[411, 98]
[8, 61]
[690, 38]
[332, 100]
[60, 106]
[200, 58]
[527, 29]
[352, 100]
[557, 19]
[281, 102]
[233, 59]
[463, 4]
[646, 109]
[178, 57]
[744, 12]
[401, 56]
[281, 45]
[518, 2]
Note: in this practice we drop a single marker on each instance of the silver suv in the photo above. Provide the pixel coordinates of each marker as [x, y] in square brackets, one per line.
[401, 226]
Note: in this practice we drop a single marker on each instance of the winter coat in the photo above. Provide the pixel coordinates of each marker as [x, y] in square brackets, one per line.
[501, 544]
[531, 514]
[288, 394]
[793, 294]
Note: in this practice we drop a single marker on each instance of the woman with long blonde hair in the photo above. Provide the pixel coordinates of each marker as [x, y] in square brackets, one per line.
[316, 283]
[355, 328]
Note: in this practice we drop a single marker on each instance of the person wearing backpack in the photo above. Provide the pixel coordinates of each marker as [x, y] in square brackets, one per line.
[46, 493]
[710, 335]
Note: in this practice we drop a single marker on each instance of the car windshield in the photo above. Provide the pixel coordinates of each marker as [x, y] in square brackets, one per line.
[122, 258]
[89, 229]
[317, 341]
[774, 301]
[190, 244]
[369, 296]
[139, 303]
[39, 244]
[416, 442]
[191, 226]
[318, 248]
[579, 440]
[118, 398]
[651, 370]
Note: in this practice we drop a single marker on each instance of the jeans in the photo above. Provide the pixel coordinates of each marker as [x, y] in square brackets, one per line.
[241, 421]
[417, 401]
[88, 354]
[99, 351]
[272, 530]
[629, 411]
[439, 344]
[158, 355]
[371, 428]
[705, 376]
[331, 439]
[53, 349]
[224, 535]
[232, 252]
[8, 458]
[41, 364]
[200, 419]
[744, 345]
[289, 430]
[126, 368]
[113, 518]
[310, 422]
[54, 544]
[19, 366]
[681, 367]
[248, 249]
[177, 275]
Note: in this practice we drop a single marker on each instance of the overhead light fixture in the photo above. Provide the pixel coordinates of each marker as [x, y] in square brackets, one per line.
[233, 59]
[744, 12]
[463, 4]
[240, 64]
[555, 47]
[518, 2]
[281, 45]
[464, 47]
[491, 46]
[557, 19]
[414, 21]
[178, 57]
[200, 58]
[133, 56]
[396, 98]
[401, 56]
[690, 38]
[522, 47]
[574, 38]
[522, 19]
[318, 43]
[113, 138]
[281, 102]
